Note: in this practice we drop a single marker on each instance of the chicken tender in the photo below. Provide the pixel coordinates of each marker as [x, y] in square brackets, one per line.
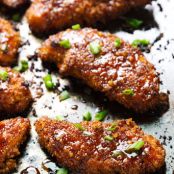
[98, 148]
[15, 96]
[13, 133]
[9, 43]
[45, 16]
[107, 64]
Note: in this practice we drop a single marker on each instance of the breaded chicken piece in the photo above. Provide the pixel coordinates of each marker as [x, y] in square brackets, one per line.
[15, 96]
[13, 133]
[120, 71]
[9, 43]
[45, 16]
[100, 148]
[13, 3]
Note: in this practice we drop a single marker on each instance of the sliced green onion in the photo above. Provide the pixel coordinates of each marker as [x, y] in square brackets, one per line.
[23, 66]
[59, 117]
[3, 75]
[128, 92]
[48, 82]
[117, 153]
[95, 47]
[100, 116]
[135, 147]
[117, 42]
[142, 42]
[16, 17]
[65, 43]
[64, 95]
[112, 127]
[76, 27]
[87, 116]
[108, 138]
[79, 126]
[62, 171]
[134, 23]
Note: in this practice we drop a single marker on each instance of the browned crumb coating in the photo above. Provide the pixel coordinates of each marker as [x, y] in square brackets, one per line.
[114, 71]
[87, 152]
[9, 43]
[13, 133]
[45, 15]
[14, 4]
[15, 96]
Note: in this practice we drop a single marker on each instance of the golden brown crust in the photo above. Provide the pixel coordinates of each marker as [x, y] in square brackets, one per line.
[112, 71]
[15, 96]
[9, 43]
[48, 15]
[13, 133]
[92, 154]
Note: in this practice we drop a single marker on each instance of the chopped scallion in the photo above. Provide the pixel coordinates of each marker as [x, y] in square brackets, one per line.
[128, 92]
[64, 95]
[112, 127]
[87, 116]
[100, 116]
[134, 23]
[95, 47]
[62, 171]
[108, 138]
[59, 117]
[76, 27]
[139, 42]
[23, 66]
[3, 75]
[65, 43]
[79, 126]
[135, 146]
[117, 42]
[48, 82]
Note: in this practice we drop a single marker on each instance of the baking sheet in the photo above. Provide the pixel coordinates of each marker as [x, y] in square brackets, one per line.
[158, 27]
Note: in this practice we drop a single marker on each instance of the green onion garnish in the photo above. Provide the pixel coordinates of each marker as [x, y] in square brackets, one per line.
[3, 75]
[16, 17]
[112, 127]
[79, 126]
[116, 153]
[134, 23]
[95, 47]
[59, 117]
[117, 42]
[135, 147]
[23, 66]
[76, 27]
[62, 171]
[128, 92]
[65, 43]
[64, 95]
[139, 42]
[87, 116]
[108, 138]
[48, 82]
[100, 116]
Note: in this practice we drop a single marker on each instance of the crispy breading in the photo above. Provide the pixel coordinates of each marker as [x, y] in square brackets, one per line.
[15, 96]
[13, 133]
[45, 16]
[85, 149]
[9, 43]
[14, 4]
[122, 73]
